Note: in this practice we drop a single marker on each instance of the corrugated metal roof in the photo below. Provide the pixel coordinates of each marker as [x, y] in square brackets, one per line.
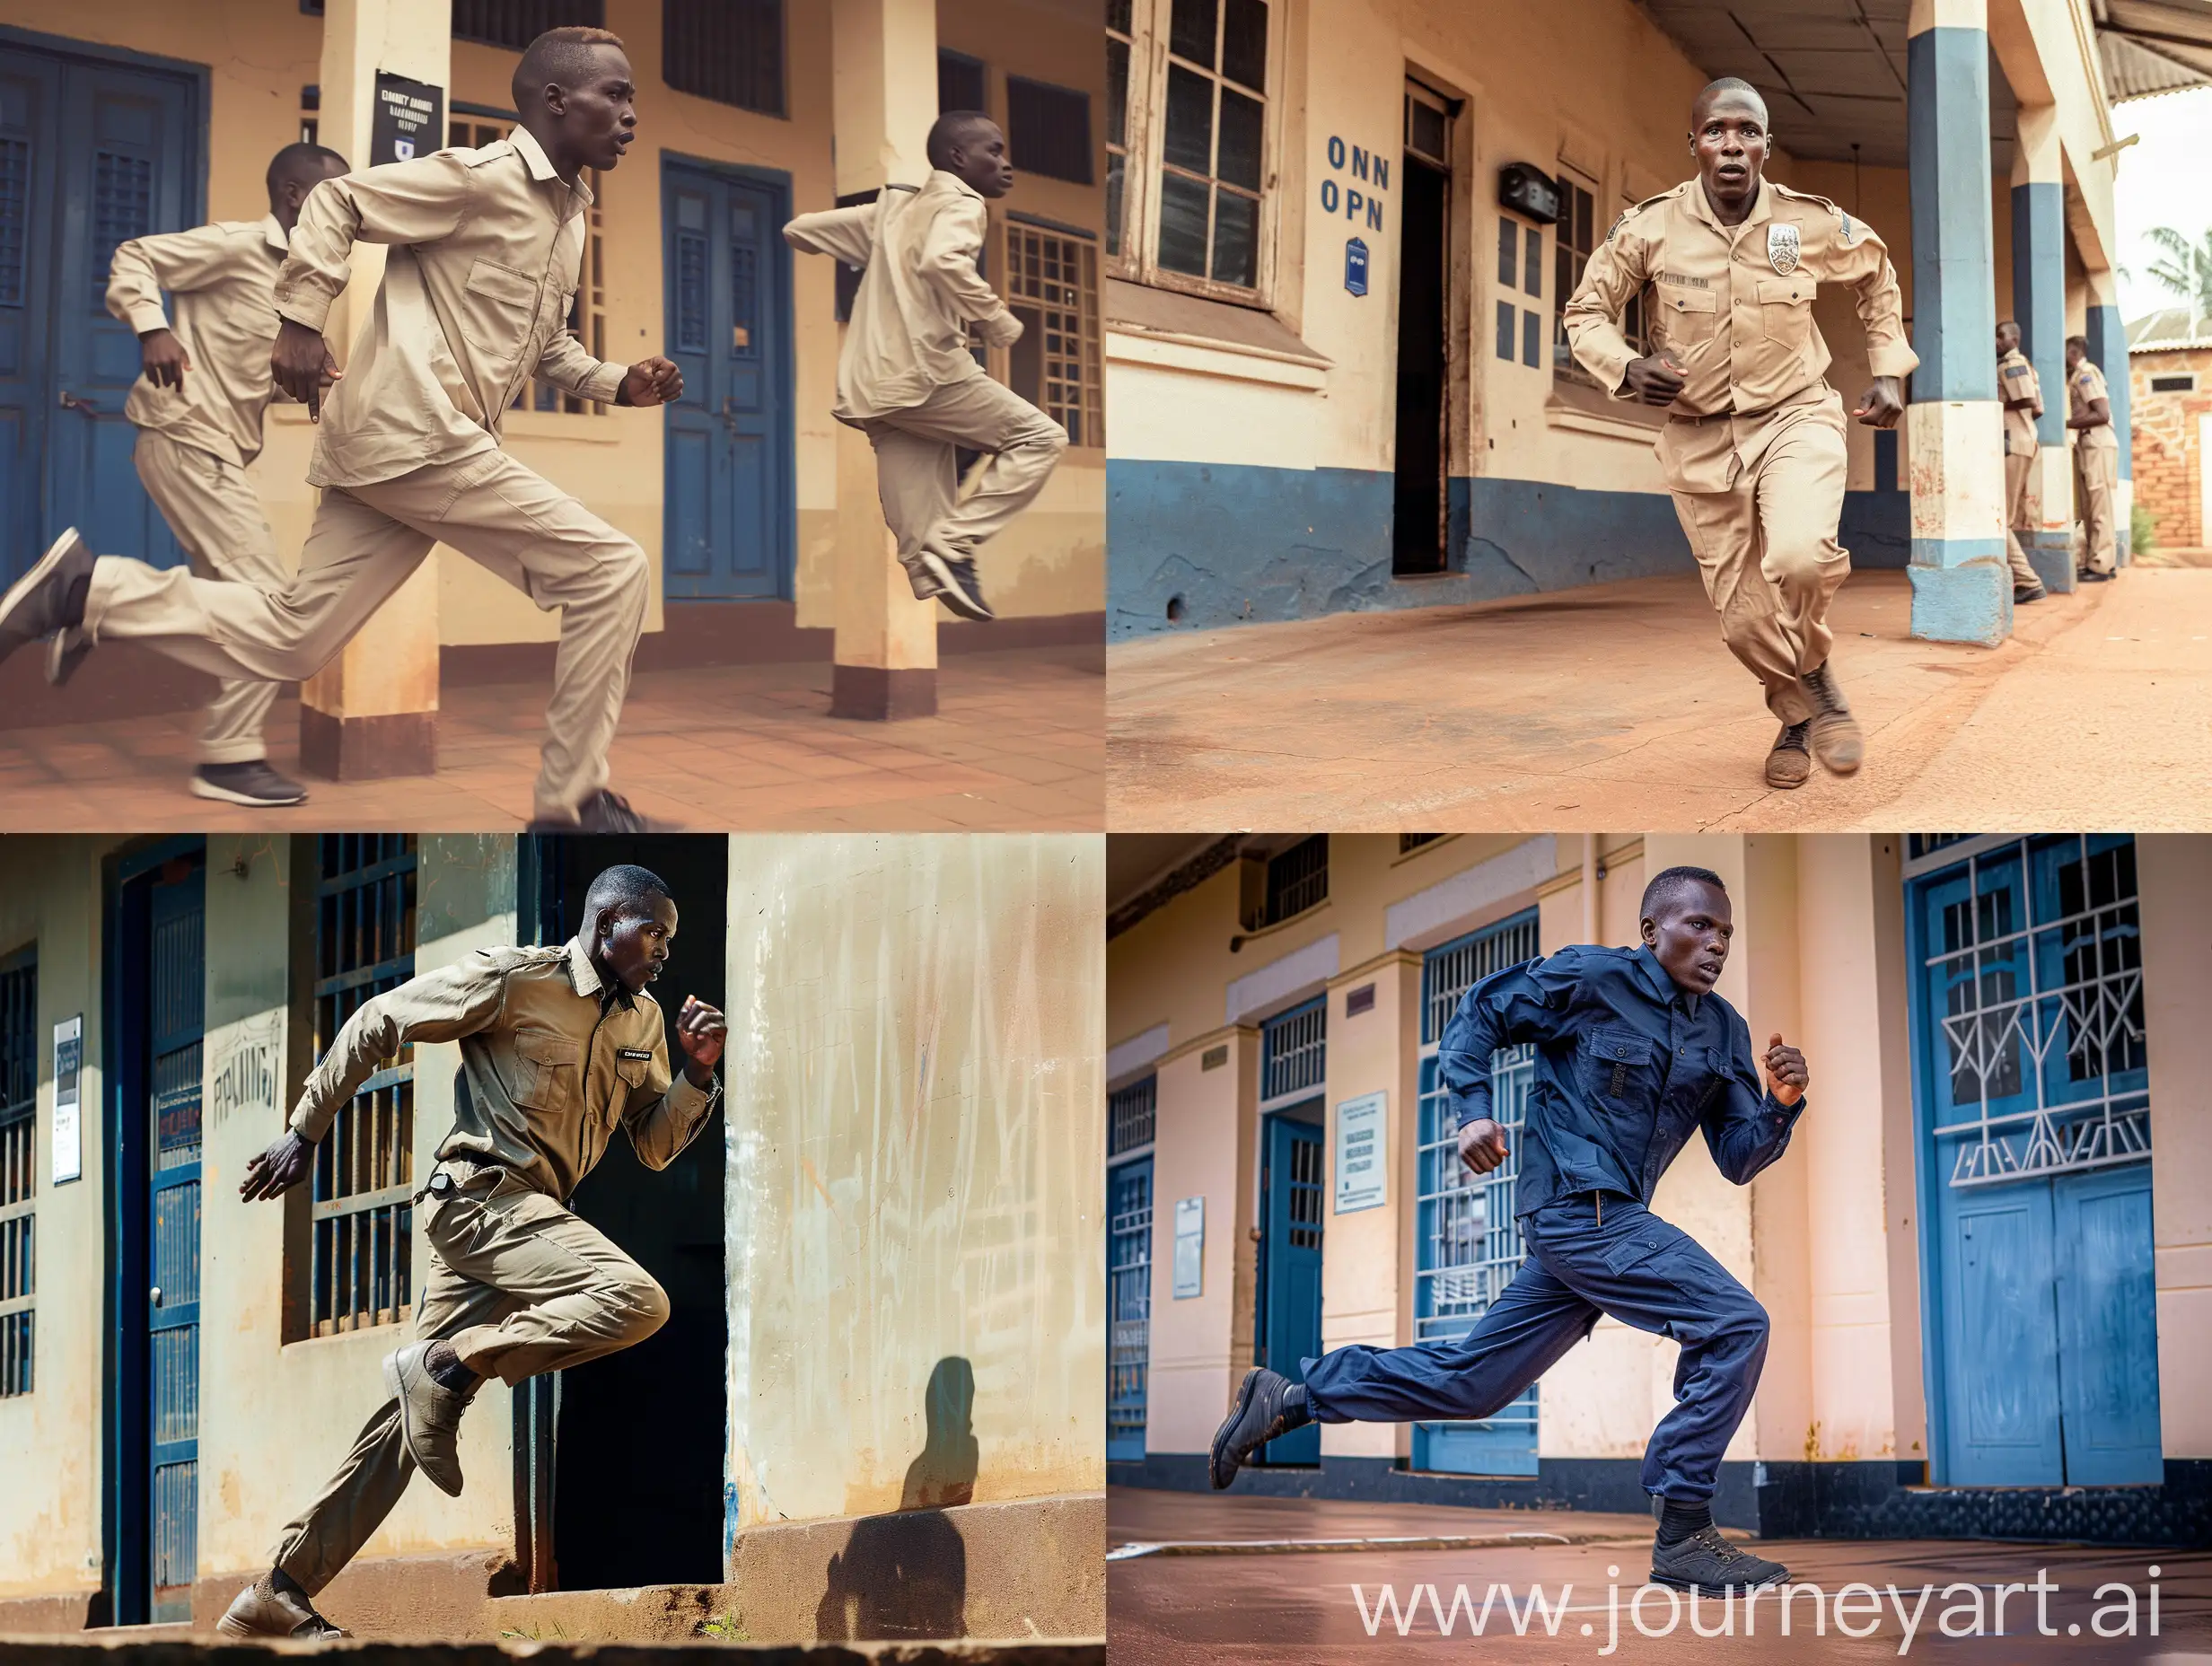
[2169, 331]
[2150, 47]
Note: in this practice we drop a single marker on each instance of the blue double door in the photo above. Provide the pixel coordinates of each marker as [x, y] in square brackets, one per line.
[91, 153]
[729, 530]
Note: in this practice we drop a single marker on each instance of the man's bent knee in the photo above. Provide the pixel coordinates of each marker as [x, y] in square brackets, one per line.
[642, 1306]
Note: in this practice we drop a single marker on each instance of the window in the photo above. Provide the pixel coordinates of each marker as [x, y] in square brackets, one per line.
[962, 82]
[515, 23]
[1128, 1298]
[1130, 1116]
[19, 1146]
[2174, 384]
[730, 51]
[310, 114]
[1052, 287]
[1186, 141]
[474, 127]
[1293, 1050]
[1573, 240]
[363, 1223]
[1048, 129]
[1297, 879]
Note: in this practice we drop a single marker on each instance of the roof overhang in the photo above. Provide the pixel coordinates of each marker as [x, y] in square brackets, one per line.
[2150, 47]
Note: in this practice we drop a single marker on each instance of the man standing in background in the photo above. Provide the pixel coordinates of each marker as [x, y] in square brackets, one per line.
[2024, 402]
[2096, 460]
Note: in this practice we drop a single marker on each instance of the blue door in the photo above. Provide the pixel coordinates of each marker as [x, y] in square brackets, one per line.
[1128, 1307]
[92, 154]
[2032, 1094]
[177, 988]
[1291, 1185]
[729, 528]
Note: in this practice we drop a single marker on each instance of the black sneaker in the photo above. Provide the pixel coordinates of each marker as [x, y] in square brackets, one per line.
[1257, 1416]
[2088, 576]
[1708, 1564]
[605, 813]
[955, 577]
[2024, 593]
[1791, 761]
[252, 784]
[48, 597]
[64, 651]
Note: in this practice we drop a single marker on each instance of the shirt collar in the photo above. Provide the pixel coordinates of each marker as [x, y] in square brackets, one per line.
[953, 182]
[1762, 209]
[1663, 986]
[584, 978]
[539, 164]
[273, 234]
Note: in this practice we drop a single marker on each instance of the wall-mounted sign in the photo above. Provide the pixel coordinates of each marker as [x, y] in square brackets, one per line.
[1357, 196]
[407, 120]
[68, 1100]
[1361, 1178]
[1189, 1247]
[1356, 265]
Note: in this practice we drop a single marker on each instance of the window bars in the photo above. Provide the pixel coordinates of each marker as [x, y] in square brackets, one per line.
[1129, 1114]
[363, 1220]
[1129, 1294]
[1297, 879]
[1293, 1050]
[515, 23]
[18, 1145]
[1058, 366]
[730, 51]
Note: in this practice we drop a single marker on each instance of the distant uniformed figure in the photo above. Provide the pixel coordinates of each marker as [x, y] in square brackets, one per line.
[1755, 450]
[2022, 395]
[2096, 458]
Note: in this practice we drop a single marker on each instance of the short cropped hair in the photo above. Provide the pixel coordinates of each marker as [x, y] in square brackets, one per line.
[559, 57]
[2078, 341]
[948, 130]
[1670, 882]
[298, 160]
[1713, 90]
[626, 887]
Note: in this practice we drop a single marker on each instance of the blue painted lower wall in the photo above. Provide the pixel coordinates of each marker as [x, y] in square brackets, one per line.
[1196, 546]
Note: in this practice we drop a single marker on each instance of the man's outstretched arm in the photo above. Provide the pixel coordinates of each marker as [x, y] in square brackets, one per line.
[1748, 1128]
[663, 1114]
[843, 233]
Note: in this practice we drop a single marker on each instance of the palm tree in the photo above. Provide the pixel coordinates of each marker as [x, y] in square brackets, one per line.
[2186, 268]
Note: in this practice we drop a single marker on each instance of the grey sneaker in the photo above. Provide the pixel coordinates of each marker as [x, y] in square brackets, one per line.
[261, 1611]
[954, 575]
[1836, 738]
[1708, 1564]
[430, 1417]
[48, 597]
[1791, 761]
[1257, 1416]
[925, 583]
[253, 783]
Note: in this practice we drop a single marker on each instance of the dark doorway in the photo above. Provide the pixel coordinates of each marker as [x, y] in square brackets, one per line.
[1424, 357]
[635, 1472]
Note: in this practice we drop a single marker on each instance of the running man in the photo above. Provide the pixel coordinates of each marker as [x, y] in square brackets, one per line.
[556, 1046]
[905, 376]
[198, 411]
[1753, 451]
[486, 247]
[1633, 1050]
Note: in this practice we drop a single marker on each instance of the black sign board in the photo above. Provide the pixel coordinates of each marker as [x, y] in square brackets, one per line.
[408, 120]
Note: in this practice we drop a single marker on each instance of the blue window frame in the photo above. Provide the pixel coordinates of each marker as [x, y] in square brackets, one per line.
[19, 1179]
[1467, 1242]
[1129, 1302]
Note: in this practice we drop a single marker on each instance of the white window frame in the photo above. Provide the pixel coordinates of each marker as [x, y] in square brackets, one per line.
[1138, 260]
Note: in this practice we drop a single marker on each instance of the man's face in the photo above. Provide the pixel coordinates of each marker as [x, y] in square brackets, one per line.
[598, 115]
[1690, 935]
[2074, 356]
[1728, 137]
[292, 189]
[979, 159]
[631, 943]
[2007, 339]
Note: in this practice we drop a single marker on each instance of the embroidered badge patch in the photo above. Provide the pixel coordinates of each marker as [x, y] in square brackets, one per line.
[633, 1052]
[1782, 247]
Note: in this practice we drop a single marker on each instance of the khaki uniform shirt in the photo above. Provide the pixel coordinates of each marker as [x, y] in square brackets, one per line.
[221, 278]
[2084, 385]
[919, 289]
[488, 245]
[552, 1061]
[2017, 380]
[1733, 305]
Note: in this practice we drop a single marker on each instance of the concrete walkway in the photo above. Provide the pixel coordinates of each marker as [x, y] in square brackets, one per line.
[1616, 706]
[116, 1649]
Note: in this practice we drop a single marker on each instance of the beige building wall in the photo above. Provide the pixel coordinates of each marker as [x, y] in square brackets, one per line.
[914, 1117]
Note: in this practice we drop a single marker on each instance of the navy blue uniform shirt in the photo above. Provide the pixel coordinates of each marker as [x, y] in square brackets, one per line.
[1627, 1065]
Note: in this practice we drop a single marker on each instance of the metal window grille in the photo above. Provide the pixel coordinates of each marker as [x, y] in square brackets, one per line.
[587, 313]
[1305, 1194]
[962, 82]
[122, 209]
[1294, 1052]
[1058, 365]
[1297, 879]
[1119, 44]
[730, 51]
[515, 23]
[1128, 1277]
[14, 217]
[1213, 140]
[2033, 960]
[1048, 129]
[19, 1145]
[1449, 972]
[363, 1221]
[1130, 1116]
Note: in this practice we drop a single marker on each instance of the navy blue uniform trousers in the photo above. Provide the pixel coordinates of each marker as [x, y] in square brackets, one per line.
[1582, 1261]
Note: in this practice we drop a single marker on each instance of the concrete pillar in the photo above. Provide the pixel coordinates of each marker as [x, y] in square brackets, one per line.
[2108, 348]
[1962, 585]
[883, 96]
[373, 710]
[2038, 305]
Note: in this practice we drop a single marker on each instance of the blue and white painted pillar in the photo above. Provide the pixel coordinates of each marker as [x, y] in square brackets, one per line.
[2039, 306]
[1961, 583]
[2107, 347]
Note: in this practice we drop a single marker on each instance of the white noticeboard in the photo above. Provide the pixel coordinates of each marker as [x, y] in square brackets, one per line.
[1361, 1179]
[1189, 1247]
[68, 1096]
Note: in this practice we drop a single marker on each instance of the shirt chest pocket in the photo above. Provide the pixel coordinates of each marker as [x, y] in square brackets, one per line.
[1685, 316]
[1785, 309]
[548, 1074]
[498, 311]
[1618, 1068]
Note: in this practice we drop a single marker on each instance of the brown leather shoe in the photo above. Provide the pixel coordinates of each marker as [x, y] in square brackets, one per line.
[430, 1417]
[1835, 738]
[262, 1610]
[1791, 761]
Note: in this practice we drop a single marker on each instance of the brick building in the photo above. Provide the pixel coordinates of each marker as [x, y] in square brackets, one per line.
[2169, 391]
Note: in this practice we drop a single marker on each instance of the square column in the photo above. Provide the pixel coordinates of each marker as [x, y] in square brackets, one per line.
[2108, 349]
[2039, 306]
[883, 98]
[1961, 583]
[372, 711]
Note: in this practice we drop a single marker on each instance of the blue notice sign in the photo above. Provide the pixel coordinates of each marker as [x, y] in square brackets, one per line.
[1356, 265]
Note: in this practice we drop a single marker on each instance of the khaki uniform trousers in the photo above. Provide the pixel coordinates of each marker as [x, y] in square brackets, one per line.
[367, 541]
[518, 1285]
[217, 518]
[2096, 482]
[917, 472]
[2017, 470]
[1767, 548]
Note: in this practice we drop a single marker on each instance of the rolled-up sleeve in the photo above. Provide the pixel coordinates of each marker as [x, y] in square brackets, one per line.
[1525, 1003]
[1747, 1129]
[443, 1005]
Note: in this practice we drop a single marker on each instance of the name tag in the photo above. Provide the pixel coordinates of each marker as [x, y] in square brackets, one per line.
[634, 1052]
